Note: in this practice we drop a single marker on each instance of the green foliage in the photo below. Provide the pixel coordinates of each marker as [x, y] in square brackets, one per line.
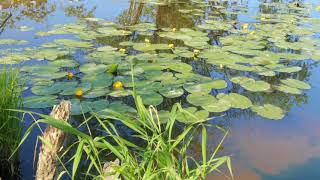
[163, 154]
[10, 124]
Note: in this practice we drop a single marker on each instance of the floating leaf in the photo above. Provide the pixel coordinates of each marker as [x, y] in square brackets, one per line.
[152, 98]
[296, 83]
[236, 100]
[220, 105]
[39, 102]
[201, 99]
[269, 111]
[171, 92]
[198, 116]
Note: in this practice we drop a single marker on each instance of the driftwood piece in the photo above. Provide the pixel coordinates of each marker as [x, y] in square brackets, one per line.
[108, 168]
[46, 167]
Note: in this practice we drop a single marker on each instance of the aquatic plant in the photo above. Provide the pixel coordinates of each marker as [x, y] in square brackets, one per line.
[162, 152]
[10, 123]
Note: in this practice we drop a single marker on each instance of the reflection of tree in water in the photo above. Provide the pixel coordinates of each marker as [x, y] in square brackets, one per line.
[36, 10]
[163, 15]
[80, 11]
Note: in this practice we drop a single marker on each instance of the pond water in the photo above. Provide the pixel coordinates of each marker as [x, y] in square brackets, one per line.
[188, 51]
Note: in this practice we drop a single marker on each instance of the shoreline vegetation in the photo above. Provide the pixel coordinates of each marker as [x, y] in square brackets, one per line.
[10, 123]
[162, 155]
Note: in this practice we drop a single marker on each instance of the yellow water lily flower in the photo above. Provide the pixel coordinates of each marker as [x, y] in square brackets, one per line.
[79, 93]
[245, 26]
[70, 75]
[122, 50]
[117, 85]
[196, 52]
[146, 40]
[262, 18]
[171, 46]
[174, 29]
[221, 66]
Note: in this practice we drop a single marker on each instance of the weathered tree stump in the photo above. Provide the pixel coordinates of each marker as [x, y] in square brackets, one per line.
[47, 162]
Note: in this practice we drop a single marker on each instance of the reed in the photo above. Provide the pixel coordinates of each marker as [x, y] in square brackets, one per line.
[10, 123]
[163, 155]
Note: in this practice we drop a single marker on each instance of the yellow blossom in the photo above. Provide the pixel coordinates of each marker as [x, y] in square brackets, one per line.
[117, 85]
[221, 66]
[122, 50]
[174, 29]
[245, 26]
[146, 40]
[79, 93]
[171, 46]
[70, 75]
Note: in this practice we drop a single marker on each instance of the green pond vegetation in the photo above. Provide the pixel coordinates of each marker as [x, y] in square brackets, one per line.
[161, 154]
[120, 63]
[10, 123]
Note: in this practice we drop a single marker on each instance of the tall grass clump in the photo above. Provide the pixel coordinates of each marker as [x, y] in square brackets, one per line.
[162, 155]
[10, 123]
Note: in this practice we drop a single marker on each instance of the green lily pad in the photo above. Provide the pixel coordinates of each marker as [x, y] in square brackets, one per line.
[120, 93]
[39, 102]
[171, 92]
[204, 88]
[96, 92]
[251, 84]
[269, 111]
[152, 98]
[236, 100]
[201, 99]
[288, 89]
[53, 89]
[92, 68]
[218, 106]
[296, 83]
[80, 107]
[196, 116]
[70, 90]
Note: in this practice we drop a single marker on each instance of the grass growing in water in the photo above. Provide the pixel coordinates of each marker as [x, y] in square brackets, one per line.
[163, 155]
[10, 123]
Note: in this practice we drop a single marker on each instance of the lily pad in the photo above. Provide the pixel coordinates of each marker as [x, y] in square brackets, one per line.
[196, 116]
[201, 99]
[152, 98]
[171, 92]
[236, 100]
[296, 83]
[39, 102]
[269, 111]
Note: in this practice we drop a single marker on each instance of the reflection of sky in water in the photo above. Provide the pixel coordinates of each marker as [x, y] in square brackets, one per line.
[262, 149]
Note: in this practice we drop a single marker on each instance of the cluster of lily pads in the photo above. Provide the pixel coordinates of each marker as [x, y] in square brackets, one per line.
[265, 48]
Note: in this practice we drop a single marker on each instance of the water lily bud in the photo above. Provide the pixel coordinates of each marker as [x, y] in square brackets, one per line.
[70, 75]
[221, 66]
[196, 51]
[147, 41]
[174, 29]
[117, 85]
[171, 46]
[245, 26]
[79, 93]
